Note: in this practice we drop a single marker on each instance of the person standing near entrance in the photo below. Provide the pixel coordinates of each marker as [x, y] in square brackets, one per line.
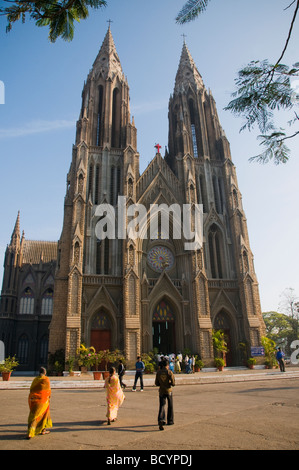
[165, 381]
[280, 359]
[139, 374]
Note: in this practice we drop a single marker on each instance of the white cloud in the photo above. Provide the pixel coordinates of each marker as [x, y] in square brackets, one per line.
[36, 127]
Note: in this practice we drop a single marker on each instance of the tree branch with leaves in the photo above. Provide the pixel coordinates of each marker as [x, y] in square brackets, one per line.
[59, 16]
[262, 88]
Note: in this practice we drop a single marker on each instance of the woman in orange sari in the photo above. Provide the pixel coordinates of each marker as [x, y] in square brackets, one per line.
[39, 403]
[114, 395]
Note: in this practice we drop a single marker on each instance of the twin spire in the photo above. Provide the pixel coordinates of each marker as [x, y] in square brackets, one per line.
[107, 62]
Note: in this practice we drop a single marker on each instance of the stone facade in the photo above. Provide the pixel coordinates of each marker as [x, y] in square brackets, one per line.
[27, 299]
[119, 282]
[139, 293]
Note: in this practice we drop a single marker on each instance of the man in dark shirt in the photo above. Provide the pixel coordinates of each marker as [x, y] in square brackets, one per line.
[121, 373]
[165, 380]
[138, 374]
[280, 359]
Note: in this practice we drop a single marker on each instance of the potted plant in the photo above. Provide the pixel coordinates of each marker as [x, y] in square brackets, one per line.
[84, 357]
[198, 364]
[70, 363]
[95, 360]
[219, 344]
[56, 362]
[109, 357]
[251, 362]
[10, 363]
[219, 363]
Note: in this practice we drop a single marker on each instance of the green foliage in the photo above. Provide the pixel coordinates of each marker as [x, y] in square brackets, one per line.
[219, 362]
[71, 363]
[199, 363]
[10, 363]
[263, 88]
[219, 342]
[270, 352]
[191, 10]
[251, 361]
[59, 16]
[281, 328]
[149, 362]
[56, 361]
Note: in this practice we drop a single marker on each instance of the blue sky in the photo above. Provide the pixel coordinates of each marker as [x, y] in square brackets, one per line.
[43, 85]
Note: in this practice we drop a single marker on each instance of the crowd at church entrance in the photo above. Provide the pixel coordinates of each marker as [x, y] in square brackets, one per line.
[179, 363]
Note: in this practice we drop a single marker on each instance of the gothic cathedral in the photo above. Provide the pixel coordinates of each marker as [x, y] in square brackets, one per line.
[136, 294]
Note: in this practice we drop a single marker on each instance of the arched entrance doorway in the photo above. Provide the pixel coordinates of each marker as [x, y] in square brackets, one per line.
[164, 328]
[222, 322]
[100, 332]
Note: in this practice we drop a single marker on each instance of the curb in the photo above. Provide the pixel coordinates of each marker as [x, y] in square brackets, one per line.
[192, 379]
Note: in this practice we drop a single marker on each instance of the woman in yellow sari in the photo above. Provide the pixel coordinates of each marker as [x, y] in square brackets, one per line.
[114, 395]
[39, 403]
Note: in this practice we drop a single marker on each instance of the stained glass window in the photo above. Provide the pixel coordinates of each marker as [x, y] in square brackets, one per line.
[163, 312]
[160, 258]
[101, 322]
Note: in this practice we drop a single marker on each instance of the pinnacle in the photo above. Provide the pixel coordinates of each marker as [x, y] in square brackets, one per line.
[15, 237]
[187, 72]
[107, 60]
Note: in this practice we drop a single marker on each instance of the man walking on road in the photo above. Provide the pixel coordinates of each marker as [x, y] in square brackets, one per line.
[165, 380]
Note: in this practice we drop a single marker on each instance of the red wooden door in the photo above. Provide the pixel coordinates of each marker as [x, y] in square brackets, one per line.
[100, 339]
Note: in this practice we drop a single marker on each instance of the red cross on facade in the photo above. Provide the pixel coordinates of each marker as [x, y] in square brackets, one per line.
[158, 146]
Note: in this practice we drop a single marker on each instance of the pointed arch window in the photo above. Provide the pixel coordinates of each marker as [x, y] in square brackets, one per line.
[90, 180]
[115, 182]
[106, 255]
[47, 302]
[97, 183]
[112, 186]
[44, 350]
[99, 257]
[215, 248]
[27, 302]
[203, 192]
[193, 131]
[216, 194]
[115, 138]
[23, 349]
[99, 117]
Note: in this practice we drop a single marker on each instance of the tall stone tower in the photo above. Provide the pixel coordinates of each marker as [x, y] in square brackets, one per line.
[139, 293]
[225, 288]
[88, 286]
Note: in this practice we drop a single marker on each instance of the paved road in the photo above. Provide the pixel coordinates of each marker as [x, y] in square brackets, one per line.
[261, 414]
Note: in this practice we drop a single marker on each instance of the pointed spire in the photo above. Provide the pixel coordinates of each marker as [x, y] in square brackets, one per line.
[187, 72]
[16, 235]
[107, 61]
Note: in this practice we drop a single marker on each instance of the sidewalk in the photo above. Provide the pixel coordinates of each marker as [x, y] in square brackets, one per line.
[208, 376]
